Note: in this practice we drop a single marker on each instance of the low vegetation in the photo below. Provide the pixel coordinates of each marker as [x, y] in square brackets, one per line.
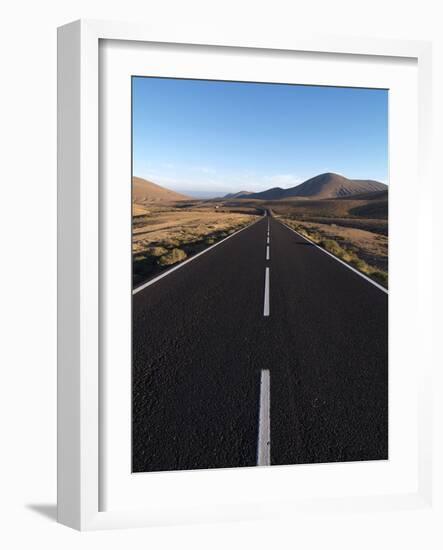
[167, 234]
[172, 257]
[365, 257]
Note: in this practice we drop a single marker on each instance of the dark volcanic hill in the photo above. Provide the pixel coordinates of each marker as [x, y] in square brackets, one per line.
[324, 186]
[270, 194]
[236, 195]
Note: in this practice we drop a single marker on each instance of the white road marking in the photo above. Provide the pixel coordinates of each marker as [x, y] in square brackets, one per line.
[267, 252]
[267, 240]
[266, 305]
[178, 266]
[264, 421]
[380, 287]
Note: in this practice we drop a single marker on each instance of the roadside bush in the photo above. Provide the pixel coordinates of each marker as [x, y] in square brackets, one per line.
[381, 277]
[156, 251]
[332, 246]
[360, 264]
[172, 257]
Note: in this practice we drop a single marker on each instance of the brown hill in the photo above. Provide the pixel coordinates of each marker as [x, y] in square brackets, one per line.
[147, 191]
[373, 209]
[324, 186]
[329, 185]
[372, 195]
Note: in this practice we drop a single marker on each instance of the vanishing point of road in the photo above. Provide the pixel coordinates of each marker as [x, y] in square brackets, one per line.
[262, 350]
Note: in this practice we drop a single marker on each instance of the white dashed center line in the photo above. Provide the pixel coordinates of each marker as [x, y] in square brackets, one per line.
[264, 421]
[266, 301]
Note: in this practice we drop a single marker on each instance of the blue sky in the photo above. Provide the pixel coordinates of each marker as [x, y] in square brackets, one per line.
[209, 137]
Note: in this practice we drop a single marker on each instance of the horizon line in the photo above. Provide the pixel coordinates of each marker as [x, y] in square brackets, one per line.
[217, 193]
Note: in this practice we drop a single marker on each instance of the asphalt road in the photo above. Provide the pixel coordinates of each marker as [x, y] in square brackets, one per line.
[233, 367]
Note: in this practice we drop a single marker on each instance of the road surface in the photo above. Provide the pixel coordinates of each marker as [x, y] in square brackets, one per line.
[263, 350]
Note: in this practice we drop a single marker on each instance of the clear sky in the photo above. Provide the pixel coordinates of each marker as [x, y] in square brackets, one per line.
[205, 138]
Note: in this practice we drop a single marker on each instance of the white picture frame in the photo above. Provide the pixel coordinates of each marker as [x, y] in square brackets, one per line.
[80, 255]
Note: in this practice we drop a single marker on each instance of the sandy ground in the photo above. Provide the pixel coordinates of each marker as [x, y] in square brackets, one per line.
[173, 228]
[370, 247]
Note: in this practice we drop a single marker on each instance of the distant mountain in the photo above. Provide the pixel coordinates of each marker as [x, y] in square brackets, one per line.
[147, 191]
[273, 194]
[324, 186]
[236, 195]
[328, 186]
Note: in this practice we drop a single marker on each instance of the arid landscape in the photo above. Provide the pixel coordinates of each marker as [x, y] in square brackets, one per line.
[349, 218]
[260, 274]
[168, 227]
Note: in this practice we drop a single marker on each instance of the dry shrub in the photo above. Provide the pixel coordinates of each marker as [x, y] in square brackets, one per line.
[172, 257]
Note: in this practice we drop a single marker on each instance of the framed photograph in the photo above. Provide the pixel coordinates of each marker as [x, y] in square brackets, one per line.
[234, 339]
